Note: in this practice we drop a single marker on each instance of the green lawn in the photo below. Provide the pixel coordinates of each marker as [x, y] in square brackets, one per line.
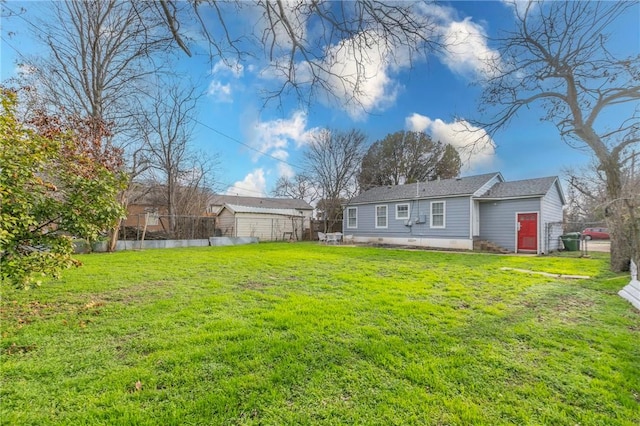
[304, 333]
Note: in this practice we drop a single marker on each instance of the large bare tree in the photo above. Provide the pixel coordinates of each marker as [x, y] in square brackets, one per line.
[100, 56]
[558, 56]
[299, 187]
[332, 161]
[174, 164]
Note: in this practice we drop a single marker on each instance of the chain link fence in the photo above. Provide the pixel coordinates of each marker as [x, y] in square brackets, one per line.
[583, 238]
[149, 226]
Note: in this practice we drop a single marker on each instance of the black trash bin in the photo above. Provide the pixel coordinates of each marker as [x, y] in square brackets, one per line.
[571, 241]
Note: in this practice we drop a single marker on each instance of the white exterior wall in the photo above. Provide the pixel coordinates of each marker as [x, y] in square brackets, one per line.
[264, 226]
[226, 222]
[445, 243]
[267, 227]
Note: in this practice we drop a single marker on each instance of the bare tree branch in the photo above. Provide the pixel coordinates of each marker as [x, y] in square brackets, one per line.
[557, 57]
[333, 159]
[305, 43]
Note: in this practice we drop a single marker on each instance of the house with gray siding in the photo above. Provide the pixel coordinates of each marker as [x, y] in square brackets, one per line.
[518, 216]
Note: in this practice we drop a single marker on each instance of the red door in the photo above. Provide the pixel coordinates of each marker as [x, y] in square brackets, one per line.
[527, 231]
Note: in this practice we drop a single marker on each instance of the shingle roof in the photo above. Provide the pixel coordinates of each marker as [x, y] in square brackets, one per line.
[266, 203]
[521, 188]
[438, 188]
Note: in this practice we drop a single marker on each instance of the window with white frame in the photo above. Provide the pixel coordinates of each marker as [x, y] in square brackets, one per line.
[381, 216]
[438, 214]
[402, 211]
[352, 217]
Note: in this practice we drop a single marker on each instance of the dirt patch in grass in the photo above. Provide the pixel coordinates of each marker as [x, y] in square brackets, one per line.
[23, 314]
[18, 349]
[566, 309]
[254, 285]
[567, 304]
[140, 292]
[28, 312]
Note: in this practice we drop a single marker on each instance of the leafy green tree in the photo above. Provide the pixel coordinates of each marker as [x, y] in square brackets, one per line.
[407, 157]
[450, 163]
[55, 184]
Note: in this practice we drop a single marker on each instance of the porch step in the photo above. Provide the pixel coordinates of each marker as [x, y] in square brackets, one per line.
[488, 246]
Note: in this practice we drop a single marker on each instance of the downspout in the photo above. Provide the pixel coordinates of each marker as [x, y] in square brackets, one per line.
[471, 217]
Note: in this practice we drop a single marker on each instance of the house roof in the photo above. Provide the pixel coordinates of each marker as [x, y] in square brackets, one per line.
[432, 189]
[146, 195]
[266, 203]
[262, 210]
[537, 187]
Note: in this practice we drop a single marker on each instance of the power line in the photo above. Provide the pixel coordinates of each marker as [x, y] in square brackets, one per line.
[231, 138]
[195, 120]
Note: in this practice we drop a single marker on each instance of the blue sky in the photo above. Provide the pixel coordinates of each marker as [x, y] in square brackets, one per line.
[234, 123]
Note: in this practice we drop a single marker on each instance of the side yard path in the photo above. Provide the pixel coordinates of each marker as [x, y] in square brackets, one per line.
[312, 334]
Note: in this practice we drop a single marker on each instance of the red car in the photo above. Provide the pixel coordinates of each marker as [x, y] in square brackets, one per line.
[595, 234]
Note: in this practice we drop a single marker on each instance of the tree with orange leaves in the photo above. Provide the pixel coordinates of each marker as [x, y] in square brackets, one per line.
[53, 186]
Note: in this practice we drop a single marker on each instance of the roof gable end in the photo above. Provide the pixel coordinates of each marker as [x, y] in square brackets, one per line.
[537, 187]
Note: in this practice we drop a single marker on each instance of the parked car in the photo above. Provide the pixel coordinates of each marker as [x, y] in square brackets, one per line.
[595, 234]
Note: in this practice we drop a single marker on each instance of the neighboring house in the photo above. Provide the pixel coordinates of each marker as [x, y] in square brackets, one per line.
[269, 219]
[145, 204]
[519, 216]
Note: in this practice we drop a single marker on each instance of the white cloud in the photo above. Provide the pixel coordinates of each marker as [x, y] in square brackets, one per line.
[275, 31]
[276, 136]
[233, 68]
[467, 52]
[253, 185]
[220, 92]
[466, 49]
[286, 171]
[361, 77]
[360, 72]
[476, 148]
[280, 154]
[520, 6]
[417, 123]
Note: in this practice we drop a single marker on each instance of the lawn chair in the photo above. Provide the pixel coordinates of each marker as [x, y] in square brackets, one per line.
[322, 237]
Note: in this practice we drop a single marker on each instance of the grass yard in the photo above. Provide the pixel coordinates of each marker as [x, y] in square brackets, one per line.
[303, 333]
